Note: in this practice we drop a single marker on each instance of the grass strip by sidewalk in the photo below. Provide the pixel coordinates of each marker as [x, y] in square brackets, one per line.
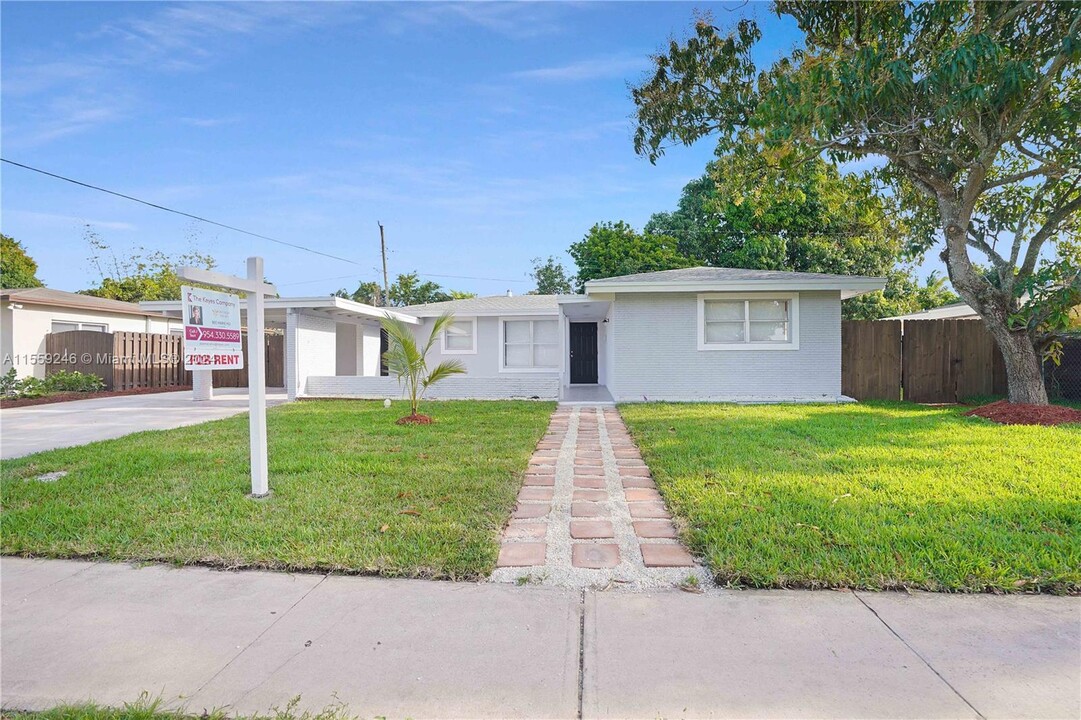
[146, 708]
[351, 491]
[874, 495]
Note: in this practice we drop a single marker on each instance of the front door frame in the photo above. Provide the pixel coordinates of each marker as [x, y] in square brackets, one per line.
[588, 373]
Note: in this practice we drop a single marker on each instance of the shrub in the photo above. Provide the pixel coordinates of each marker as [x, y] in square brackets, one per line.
[18, 388]
[74, 381]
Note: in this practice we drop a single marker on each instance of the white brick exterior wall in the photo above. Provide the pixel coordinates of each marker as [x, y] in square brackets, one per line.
[656, 356]
[310, 350]
[458, 387]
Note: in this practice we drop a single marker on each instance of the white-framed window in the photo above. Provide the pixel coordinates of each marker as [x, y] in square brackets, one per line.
[527, 345]
[729, 321]
[59, 326]
[460, 338]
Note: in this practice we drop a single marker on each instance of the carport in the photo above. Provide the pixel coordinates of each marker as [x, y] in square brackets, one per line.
[324, 336]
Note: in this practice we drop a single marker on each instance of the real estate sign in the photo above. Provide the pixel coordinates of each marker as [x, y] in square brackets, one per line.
[211, 330]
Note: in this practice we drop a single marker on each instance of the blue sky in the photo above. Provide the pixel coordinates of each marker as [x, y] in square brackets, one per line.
[481, 135]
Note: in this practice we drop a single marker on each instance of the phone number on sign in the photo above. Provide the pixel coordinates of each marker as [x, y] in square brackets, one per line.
[224, 359]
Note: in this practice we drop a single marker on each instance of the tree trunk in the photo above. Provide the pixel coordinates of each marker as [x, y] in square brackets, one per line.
[1024, 376]
[1024, 368]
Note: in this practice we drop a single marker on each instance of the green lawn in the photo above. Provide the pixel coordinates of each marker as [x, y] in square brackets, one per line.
[351, 491]
[875, 495]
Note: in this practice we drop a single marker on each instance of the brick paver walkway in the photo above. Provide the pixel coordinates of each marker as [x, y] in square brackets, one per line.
[589, 514]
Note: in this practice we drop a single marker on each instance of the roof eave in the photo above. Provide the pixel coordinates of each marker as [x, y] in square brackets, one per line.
[305, 303]
[848, 287]
[8, 297]
[487, 313]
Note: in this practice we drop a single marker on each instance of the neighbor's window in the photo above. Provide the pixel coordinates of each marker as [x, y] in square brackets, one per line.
[59, 326]
[747, 321]
[529, 344]
[459, 337]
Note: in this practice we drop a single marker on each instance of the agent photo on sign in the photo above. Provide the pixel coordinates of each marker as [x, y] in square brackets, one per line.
[195, 315]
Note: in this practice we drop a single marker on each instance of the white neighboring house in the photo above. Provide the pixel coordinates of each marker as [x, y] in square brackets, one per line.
[693, 334]
[28, 315]
[953, 311]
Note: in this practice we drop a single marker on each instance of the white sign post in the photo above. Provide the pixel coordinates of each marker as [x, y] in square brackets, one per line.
[256, 290]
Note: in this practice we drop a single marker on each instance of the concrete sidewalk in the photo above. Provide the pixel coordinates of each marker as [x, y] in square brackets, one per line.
[36, 428]
[249, 641]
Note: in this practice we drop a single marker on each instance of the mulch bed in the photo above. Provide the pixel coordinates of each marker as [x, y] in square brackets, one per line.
[66, 397]
[417, 419]
[1008, 413]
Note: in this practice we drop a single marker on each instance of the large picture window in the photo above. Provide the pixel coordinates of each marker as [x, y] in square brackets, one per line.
[460, 338]
[738, 322]
[530, 344]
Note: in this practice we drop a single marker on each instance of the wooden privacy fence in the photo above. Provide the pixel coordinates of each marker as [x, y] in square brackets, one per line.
[136, 360]
[935, 361]
[946, 361]
[273, 351]
[871, 359]
[124, 360]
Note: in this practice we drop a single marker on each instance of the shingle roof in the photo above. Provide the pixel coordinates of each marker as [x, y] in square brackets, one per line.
[719, 274]
[61, 298]
[489, 305]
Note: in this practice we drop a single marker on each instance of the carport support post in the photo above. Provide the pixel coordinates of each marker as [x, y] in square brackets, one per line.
[202, 385]
[260, 484]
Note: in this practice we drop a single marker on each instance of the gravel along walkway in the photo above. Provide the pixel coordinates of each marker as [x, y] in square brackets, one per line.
[589, 515]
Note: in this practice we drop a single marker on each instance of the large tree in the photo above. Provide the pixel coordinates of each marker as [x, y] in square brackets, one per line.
[817, 220]
[17, 268]
[973, 107]
[367, 292]
[551, 277]
[408, 289]
[611, 249]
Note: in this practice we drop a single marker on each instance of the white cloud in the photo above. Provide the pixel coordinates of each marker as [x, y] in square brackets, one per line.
[65, 115]
[208, 122]
[509, 19]
[92, 83]
[618, 66]
[53, 221]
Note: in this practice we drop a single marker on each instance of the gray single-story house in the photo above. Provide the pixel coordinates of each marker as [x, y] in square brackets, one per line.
[694, 334]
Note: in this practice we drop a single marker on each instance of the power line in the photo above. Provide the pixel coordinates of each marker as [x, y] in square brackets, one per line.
[233, 228]
[421, 274]
[178, 212]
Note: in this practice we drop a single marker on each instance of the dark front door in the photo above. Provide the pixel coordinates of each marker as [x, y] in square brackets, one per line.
[583, 353]
[384, 345]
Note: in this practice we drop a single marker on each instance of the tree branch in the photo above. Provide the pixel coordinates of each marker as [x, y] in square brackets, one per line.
[1054, 219]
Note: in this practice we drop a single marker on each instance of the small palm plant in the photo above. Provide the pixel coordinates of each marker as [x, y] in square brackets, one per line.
[408, 362]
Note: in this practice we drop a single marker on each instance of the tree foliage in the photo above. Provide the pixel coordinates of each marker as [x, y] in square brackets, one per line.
[972, 106]
[17, 268]
[610, 249]
[368, 292]
[551, 277]
[813, 219]
[140, 274]
[407, 289]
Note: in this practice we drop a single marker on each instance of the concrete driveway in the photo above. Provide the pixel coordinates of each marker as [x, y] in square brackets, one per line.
[32, 429]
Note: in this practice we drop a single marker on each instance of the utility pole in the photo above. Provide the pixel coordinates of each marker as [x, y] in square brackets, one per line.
[386, 282]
